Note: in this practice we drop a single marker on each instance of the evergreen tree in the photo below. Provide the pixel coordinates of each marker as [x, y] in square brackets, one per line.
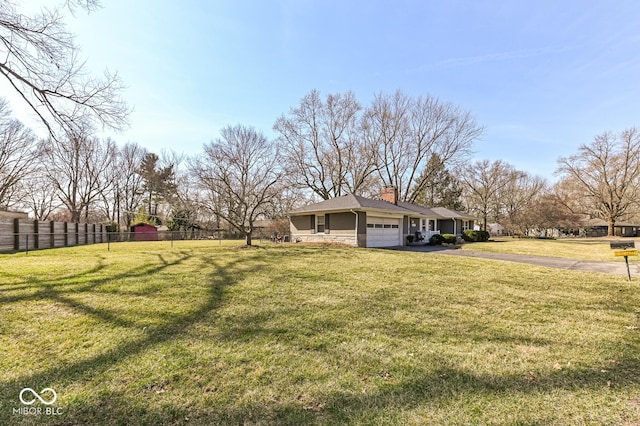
[441, 188]
[159, 182]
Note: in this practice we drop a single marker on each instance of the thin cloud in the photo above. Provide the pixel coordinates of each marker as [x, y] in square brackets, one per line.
[502, 56]
[492, 57]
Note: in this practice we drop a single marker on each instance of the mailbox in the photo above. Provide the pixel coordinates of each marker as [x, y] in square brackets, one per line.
[626, 249]
[622, 245]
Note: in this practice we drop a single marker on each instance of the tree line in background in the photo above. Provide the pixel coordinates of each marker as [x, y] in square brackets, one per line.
[326, 147]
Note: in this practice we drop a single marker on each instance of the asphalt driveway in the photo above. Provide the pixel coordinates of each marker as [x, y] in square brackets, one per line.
[615, 268]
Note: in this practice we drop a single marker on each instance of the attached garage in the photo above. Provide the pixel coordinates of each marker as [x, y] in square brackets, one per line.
[384, 231]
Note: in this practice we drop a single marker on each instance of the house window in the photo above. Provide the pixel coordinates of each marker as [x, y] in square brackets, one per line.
[320, 224]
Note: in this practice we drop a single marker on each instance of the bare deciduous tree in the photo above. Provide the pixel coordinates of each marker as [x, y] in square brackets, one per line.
[608, 173]
[17, 154]
[518, 196]
[77, 168]
[386, 127]
[120, 201]
[570, 194]
[334, 148]
[127, 193]
[241, 173]
[483, 182]
[408, 132]
[40, 61]
[547, 211]
[324, 147]
[39, 198]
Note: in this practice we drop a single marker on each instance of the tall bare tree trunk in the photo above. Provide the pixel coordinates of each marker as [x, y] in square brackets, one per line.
[611, 229]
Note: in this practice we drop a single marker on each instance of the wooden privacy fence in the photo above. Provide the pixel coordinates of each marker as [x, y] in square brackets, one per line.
[25, 234]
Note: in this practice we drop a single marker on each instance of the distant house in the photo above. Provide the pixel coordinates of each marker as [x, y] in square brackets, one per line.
[367, 222]
[496, 230]
[144, 232]
[10, 215]
[600, 228]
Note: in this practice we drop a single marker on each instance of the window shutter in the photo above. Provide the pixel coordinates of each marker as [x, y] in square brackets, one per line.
[313, 224]
[326, 223]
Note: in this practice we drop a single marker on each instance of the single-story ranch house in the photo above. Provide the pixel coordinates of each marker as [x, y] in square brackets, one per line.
[600, 228]
[366, 222]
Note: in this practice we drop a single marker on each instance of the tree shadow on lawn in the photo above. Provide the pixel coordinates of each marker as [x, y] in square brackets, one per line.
[62, 376]
[445, 388]
[451, 385]
[48, 289]
[441, 384]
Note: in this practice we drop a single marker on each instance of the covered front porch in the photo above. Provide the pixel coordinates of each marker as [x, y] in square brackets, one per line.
[422, 229]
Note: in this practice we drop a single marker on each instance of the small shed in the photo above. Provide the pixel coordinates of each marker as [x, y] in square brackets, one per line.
[144, 232]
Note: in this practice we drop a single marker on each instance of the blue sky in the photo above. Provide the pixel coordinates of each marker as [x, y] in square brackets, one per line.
[542, 77]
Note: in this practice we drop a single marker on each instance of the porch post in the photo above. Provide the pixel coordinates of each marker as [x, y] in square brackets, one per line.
[357, 245]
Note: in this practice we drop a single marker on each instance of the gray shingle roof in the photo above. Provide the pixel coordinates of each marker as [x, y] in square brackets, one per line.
[424, 211]
[350, 202]
[602, 222]
[452, 214]
[356, 202]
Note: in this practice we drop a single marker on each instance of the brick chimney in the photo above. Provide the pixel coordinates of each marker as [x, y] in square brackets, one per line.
[389, 194]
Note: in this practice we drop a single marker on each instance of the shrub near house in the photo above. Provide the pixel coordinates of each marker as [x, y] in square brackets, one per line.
[449, 238]
[436, 240]
[439, 239]
[473, 236]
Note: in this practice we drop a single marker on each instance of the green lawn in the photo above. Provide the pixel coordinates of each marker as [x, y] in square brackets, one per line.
[574, 248]
[290, 334]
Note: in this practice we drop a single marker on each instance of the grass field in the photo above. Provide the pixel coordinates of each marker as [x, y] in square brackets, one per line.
[574, 248]
[289, 334]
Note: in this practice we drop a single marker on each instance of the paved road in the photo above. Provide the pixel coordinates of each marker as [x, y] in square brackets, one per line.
[616, 268]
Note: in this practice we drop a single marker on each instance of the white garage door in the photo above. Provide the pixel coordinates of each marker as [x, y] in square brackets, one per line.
[383, 231]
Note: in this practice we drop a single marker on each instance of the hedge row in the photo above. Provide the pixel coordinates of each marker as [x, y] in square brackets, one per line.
[438, 239]
[469, 235]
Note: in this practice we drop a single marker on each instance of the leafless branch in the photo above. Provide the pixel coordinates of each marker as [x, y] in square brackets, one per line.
[39, 59]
